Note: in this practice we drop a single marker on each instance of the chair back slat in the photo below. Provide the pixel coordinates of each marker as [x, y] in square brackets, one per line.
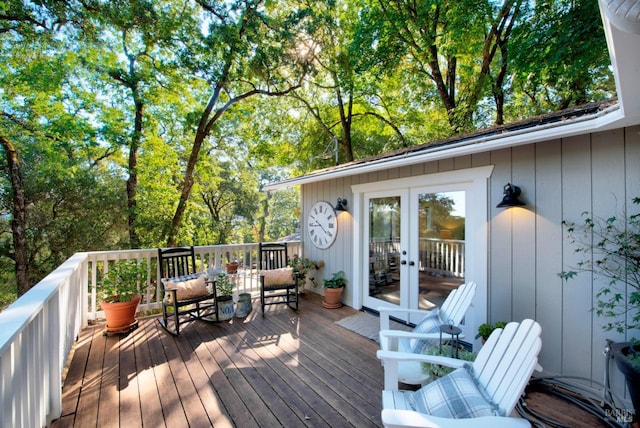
[175, 262]
[457, 303]
[272, 256]
[507, 360]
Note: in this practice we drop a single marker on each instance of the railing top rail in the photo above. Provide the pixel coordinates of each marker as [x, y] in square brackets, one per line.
[457, 241]
[20, 313]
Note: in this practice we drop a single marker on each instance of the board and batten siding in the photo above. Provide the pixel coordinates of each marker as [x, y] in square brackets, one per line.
[560, 179]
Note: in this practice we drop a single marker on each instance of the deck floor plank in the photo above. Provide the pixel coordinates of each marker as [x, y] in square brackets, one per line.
[87, 405]
[228, 401]
[285, 368]
[167, 389]
[150, 405]
[128, 378]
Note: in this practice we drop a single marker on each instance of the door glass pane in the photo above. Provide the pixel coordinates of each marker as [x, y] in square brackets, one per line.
[384, 248]
[441, 220]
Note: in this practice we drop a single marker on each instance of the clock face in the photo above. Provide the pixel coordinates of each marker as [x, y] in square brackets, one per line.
[322, 225]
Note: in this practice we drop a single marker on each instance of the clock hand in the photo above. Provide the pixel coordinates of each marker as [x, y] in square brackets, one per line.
[319, 225]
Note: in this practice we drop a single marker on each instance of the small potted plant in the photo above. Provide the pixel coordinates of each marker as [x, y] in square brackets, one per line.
[232, 267]
[485, 330]
[304, 268]
[437, 370]
[224, 297]
[333, 289]
[120, 293]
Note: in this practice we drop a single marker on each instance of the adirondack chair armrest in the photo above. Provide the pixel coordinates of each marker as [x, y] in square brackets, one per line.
[413, 335]
[407, 419]
[389, 338]
[391, 361]
[386, 312]
[386, 356]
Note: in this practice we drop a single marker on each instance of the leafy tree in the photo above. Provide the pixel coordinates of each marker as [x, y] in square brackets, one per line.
[52, 185]
[559, 59]
[451, 44]
[284, 215]
[245, 51]
[135, 43]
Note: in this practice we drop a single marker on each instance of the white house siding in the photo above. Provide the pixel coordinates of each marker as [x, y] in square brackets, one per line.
[560, 179]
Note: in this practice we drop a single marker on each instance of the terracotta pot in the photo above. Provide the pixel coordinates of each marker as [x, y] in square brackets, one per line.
[120, 314]
[332, 297]
[232, 267]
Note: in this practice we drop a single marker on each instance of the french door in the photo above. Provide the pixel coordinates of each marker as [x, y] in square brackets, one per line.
[416, 245]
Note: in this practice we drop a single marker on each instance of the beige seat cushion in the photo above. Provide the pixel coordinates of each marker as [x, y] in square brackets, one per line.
[274, 277]
[188, 289]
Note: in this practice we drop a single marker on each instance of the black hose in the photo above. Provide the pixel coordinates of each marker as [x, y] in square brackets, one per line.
[573, 394]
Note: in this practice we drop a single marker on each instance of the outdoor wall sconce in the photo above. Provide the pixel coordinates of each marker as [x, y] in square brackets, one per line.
[510, 198]
[341, 205]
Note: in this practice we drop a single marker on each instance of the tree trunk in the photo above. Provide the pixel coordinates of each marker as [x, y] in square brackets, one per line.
[262, 225]
[132, 181]
[19, 221]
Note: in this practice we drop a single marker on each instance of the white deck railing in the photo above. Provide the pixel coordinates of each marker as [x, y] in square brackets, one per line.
[37, 332]
[440, 256]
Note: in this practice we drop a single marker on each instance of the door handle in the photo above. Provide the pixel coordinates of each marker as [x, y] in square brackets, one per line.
[403, 262]
[412, 263]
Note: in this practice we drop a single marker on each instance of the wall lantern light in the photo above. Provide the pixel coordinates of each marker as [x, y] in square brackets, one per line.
[341, 205]
[510, 198]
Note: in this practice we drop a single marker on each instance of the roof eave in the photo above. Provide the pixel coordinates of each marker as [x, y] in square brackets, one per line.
[609, 118]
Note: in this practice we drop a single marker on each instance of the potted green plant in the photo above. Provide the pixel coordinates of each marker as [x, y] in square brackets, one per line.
[305, 268]
[333, 288]
[437, 370]
[120, 293]
[485, 330]
[224, 296]
[611, 250]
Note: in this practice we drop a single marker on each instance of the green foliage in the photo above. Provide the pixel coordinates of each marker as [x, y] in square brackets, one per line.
[305, 269]
[122, 281]
[550, 70]
[485, 329]
[224, 286]
[8, 294]
[437, 370]
[610, 248]
[337, 280]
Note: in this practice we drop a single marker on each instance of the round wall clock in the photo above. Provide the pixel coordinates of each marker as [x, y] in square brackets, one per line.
[322, 225]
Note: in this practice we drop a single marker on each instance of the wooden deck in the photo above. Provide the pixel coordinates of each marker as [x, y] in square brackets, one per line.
[285, 369]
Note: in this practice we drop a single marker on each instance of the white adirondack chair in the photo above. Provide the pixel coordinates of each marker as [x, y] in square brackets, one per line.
[428, 329]
[502, 370]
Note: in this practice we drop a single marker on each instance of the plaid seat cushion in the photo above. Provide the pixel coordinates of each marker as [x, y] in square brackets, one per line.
[429, 324]
[455, 395]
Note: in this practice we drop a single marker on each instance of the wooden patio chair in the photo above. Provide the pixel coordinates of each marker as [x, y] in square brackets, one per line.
[426, 332]
[482, 393]
[278, 281]
[188, 295]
